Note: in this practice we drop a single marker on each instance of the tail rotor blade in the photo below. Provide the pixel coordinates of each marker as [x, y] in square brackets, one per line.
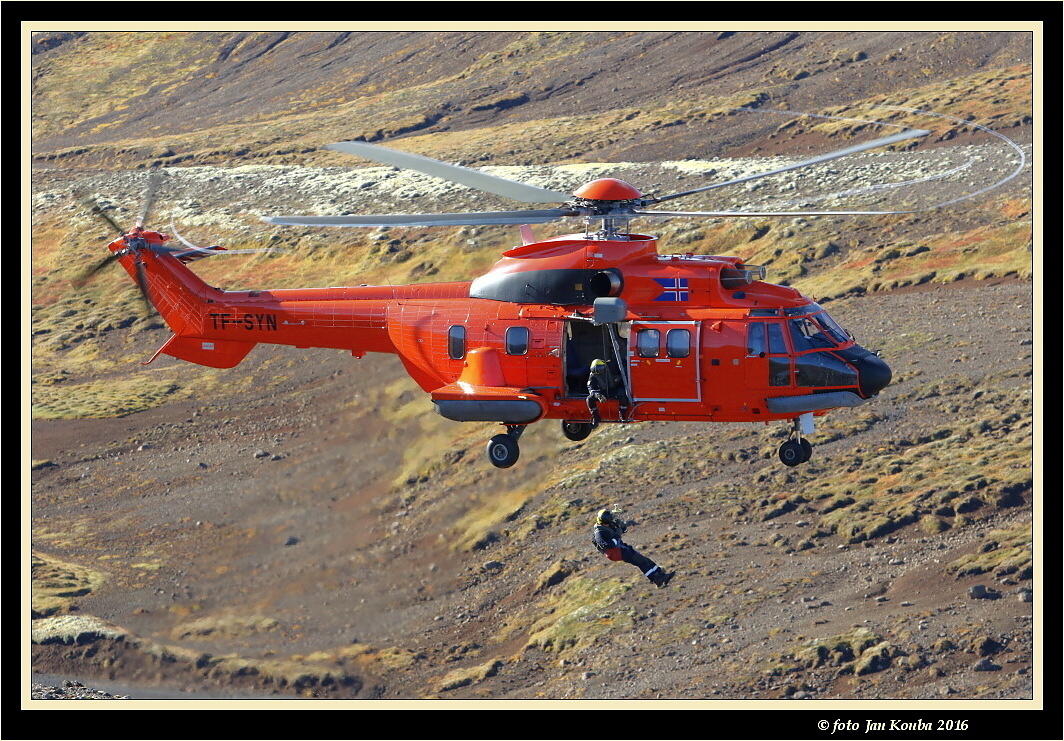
[142, 284]
[87, 275]
[182, 240]
[97, 210]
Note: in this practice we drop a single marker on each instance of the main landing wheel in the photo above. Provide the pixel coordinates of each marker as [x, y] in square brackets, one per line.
[793, 452]
[576, 431]
[503, 451]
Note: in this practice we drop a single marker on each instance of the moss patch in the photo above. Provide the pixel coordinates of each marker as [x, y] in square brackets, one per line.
[56, 585]
[583, 610]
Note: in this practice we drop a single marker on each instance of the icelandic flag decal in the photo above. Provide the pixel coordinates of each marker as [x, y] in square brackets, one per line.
[674, 289]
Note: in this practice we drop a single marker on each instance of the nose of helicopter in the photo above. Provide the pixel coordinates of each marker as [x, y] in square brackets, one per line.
[873, 374]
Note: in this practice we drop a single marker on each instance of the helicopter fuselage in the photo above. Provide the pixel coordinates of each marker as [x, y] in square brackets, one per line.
[686, 337]
[680, 337]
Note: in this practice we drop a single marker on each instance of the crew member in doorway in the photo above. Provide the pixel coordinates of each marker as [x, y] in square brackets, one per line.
[598, 388]
[608, 531]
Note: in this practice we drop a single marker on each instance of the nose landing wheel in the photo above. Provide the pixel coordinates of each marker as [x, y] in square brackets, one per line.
[792, 452]
[797, 449]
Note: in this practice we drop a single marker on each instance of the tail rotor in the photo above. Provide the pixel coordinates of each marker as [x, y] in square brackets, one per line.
[133, 240]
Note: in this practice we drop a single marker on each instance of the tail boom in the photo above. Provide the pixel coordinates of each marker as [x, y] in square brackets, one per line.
[219, 328]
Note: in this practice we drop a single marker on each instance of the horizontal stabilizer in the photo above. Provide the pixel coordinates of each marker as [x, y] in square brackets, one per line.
[211, 353]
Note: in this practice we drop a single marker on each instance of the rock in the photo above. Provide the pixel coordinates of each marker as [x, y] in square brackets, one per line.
[874, 659]
[71, 690]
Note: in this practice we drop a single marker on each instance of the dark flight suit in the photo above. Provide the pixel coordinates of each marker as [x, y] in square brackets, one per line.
[598, 389]
[608, 541]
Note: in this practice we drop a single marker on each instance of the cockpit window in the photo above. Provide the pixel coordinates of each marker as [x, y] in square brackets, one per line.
[808, 335]
[776, 345]
[755, 339]
[823, 369]
[833, 328]
[762, 337]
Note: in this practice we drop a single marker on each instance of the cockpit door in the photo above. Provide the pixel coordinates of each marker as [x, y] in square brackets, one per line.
[663, 361]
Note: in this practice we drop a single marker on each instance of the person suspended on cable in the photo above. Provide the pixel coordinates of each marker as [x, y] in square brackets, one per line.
[607, 538]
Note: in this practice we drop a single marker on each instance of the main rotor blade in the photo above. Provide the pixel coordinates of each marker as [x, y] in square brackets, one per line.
[536, 216]
[875, 143]
[150, 191]
[729, 214]
[518, 191]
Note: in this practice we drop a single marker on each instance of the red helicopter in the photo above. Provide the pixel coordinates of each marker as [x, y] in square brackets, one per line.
[684, 337]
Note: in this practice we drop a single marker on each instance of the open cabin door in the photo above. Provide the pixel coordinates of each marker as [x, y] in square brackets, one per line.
[585, 342]
[663, 361]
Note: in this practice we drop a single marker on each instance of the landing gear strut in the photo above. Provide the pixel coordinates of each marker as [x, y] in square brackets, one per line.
[796, 449]
[503, 450]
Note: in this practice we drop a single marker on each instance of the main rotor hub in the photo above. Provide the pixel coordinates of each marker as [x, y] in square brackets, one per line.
[608, 189]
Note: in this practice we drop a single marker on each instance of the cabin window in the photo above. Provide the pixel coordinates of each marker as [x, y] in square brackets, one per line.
[517, 339]
[678, 343]
[456, 342]
[647, 343]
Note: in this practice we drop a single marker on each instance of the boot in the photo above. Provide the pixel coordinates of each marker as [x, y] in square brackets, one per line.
[659, 577]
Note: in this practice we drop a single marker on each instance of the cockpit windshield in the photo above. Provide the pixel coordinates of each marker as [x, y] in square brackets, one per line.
[833, 328]
[816, 331]
[807, 335]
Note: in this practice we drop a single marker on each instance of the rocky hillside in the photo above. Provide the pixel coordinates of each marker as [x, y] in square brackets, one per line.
[305, 526]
